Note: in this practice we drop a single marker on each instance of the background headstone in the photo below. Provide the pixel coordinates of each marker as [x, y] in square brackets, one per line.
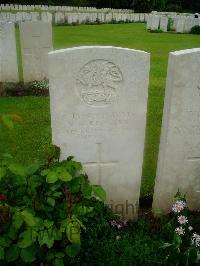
[8, 53]
[180, 24]
[98, 114]
[36, 42]
[163, 23]
[179, 155]
[155, 20]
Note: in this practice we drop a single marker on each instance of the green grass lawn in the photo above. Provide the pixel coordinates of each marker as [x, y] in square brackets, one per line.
[31, 140]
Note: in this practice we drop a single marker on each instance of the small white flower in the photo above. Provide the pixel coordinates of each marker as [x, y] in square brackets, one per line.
[190, 228]
[178, 206]
[180, 230]
[182, 219]
[196, 240]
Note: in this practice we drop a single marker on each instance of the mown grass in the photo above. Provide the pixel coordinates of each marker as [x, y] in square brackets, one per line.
[32, 139]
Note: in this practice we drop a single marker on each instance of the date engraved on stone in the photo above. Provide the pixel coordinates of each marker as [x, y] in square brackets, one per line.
[98, 82]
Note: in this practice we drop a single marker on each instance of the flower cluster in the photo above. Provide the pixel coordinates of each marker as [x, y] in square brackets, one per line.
[119, 224]
[182, 219]
[42, 85]
[196, 240]
[178, 206]
[180, 230]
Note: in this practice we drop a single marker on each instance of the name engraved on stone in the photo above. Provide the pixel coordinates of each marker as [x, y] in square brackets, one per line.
[99, 164]
[88, 124]
[98, 82]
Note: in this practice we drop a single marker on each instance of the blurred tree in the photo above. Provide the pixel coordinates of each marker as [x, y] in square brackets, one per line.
[138, 5]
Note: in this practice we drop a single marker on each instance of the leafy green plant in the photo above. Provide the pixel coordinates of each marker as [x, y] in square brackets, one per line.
[42, 209]
[184, 246]
[170, 24]
[195, 30]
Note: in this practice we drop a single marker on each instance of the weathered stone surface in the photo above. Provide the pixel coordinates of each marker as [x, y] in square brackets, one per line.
[98, 111]
[163, 23]
[179, 155]
[46, 17]
[180, 24]
[155, 20]
[8, 53]
[36, 42]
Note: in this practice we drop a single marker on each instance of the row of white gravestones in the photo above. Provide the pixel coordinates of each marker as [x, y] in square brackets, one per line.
[71, 17]
[155, 22]
[36, 42]
[184, 24]
[98, 109]
[8, 53]
[179, 156]
[60, 8]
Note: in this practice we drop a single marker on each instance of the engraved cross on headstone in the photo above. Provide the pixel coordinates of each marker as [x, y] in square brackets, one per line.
[99, 164]
[195, 159]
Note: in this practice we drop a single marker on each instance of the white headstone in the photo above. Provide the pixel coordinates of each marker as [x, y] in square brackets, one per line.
[163, 23]
[46, 17]
[149, 18]
[188, 24]
[59, 17]
[155, 21]
[180, 24]
[8, 53]
[36, 42]
[179, 156]
[98, 110]
[35, 16]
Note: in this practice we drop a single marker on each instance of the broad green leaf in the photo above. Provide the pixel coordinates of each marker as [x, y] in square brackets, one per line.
[27, 238]
[12, 233]
[17, 169]
[166, 245]
[4, 242]
[1, 253]
[51, 201]
[52, 177]
[72, 250]
[83, 210]
[48, 223]
[46, 238]
[2, 172]
[35, 181]
[59, 255]
[86, 189]
[57, 234]
[28, 254]
[74, 232]
[29, 218]
[32, 168]
[58, 262]
[74, 218]
[99, 192]
[44, 172]
[57, 194]
[65, 176]
[17, 220]
[12, 253]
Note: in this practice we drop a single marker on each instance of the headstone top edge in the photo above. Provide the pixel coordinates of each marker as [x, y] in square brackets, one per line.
[186, 51]
[96, 47]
